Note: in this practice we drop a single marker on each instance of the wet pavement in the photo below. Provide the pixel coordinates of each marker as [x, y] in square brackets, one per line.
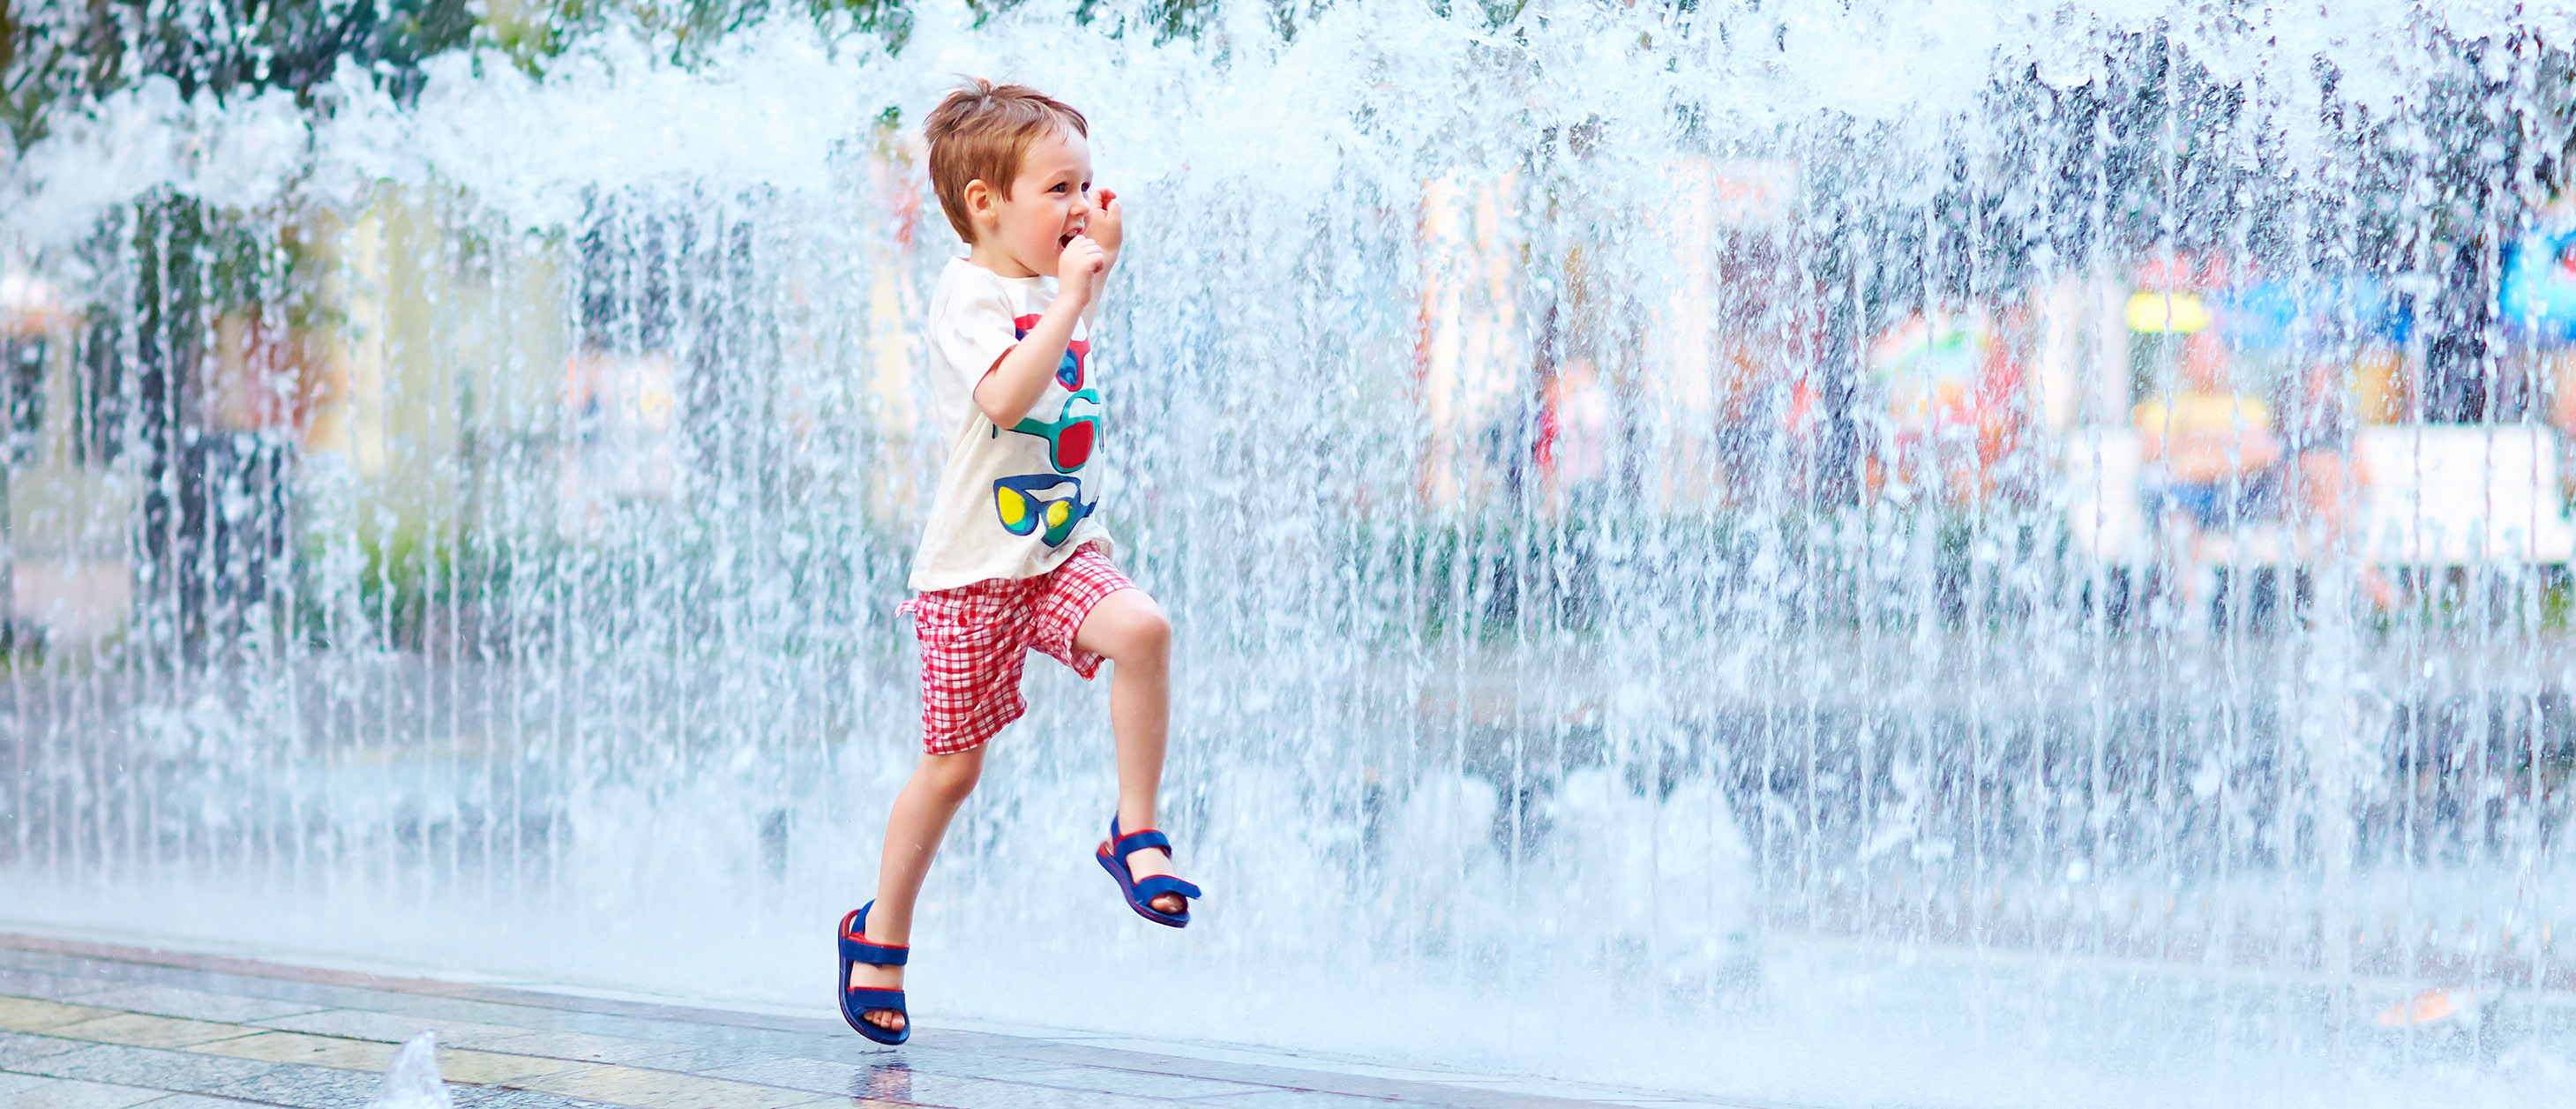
[92, 1026]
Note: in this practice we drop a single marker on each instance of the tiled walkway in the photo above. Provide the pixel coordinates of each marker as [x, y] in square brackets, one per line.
[89, 1026]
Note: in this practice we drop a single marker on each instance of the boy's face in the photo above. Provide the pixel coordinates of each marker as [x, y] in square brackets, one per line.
[1047, 205]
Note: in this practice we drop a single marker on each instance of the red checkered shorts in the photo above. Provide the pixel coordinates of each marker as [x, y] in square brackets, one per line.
[974, 639]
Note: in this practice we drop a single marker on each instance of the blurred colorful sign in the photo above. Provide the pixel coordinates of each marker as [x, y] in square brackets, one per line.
[2539, 291]
[2268, 315]
[2271, 315]
[1950, 385]
[2160, 313]
[2186, 293]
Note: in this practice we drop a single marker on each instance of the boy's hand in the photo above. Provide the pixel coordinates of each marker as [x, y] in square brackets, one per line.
[1081, 259]
[1108, 222]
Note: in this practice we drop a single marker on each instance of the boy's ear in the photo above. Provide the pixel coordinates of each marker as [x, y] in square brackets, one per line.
[981, 200]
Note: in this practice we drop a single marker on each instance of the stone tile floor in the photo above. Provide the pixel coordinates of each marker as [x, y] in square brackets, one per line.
[93, 1026]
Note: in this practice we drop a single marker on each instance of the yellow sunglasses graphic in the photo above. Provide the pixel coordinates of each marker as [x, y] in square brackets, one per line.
[1030, 502]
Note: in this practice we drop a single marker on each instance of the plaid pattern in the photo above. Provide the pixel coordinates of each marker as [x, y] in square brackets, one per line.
[975, 638]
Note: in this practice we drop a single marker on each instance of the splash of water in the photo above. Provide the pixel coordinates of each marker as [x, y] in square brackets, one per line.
[1586, 668]
[411, 1080]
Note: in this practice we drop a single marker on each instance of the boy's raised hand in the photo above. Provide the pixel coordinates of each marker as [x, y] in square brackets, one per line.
[1108, 221]
[1081, 259]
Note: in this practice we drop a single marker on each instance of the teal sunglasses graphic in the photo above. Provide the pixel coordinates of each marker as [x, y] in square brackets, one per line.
[1069, 437]
[1031, 502]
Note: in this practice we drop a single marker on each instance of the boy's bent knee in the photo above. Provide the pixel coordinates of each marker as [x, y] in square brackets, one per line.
[1127, 627]
[953, 775]
[1144, 634]
[1152, 631]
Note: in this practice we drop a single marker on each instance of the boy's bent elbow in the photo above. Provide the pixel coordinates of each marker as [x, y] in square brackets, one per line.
[997, 408]
[993, 393]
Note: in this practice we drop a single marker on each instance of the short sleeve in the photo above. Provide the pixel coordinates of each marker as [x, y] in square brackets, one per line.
[975, 329]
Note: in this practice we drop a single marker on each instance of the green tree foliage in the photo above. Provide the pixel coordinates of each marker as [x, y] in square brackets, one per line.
[40, 59]
[57, 50]
[690, 26]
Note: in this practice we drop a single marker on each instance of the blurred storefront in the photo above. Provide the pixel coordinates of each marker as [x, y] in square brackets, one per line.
[62, 575]
[2373, 473]
[1952, 384]
[1549, 369]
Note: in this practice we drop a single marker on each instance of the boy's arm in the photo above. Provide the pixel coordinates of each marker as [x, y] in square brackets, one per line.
[1012, 386]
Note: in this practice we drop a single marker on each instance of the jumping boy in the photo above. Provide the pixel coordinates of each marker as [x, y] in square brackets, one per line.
[1013, 556]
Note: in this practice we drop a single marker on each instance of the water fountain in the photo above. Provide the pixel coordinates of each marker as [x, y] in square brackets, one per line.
[1648, 495]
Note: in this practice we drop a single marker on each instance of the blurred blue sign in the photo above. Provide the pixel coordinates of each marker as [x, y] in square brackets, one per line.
[2269, 315]
[2539, 292]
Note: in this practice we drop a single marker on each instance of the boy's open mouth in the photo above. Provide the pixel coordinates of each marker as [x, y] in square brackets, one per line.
[1065, 240]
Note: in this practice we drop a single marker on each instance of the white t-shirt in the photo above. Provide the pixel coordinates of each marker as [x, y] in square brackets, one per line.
[1013, 502]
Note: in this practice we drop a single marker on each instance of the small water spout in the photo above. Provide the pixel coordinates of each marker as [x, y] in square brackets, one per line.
[412, 1081]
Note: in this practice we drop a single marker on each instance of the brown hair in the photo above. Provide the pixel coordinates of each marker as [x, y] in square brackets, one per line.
[980, 132]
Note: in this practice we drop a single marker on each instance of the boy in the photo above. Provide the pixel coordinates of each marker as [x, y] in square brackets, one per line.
[1013, 556]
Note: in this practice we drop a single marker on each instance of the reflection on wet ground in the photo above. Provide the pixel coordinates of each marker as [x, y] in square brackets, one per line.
[101, 1027]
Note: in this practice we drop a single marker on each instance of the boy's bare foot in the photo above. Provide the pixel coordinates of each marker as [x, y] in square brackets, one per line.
[871, 976]
[1146, 862]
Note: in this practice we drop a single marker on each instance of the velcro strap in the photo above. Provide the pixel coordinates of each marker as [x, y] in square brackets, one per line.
[868, 999]
[1133, 842]
[1148, 889]
[858, 950]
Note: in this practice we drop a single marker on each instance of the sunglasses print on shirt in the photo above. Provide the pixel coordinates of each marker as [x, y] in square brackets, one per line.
[1077, 354]
[1031, 502]
[1071, 435]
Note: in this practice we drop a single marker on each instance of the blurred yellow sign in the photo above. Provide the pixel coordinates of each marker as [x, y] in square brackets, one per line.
[2180, 313]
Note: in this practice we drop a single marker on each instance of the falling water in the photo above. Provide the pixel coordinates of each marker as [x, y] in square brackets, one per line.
[462, 531]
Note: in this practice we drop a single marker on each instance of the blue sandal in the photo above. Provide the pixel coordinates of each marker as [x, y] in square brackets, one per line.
[856, 1002]
[1140, 895]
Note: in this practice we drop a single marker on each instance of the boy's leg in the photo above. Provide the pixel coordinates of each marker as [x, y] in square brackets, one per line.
[1129, 629]
[921, 815]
